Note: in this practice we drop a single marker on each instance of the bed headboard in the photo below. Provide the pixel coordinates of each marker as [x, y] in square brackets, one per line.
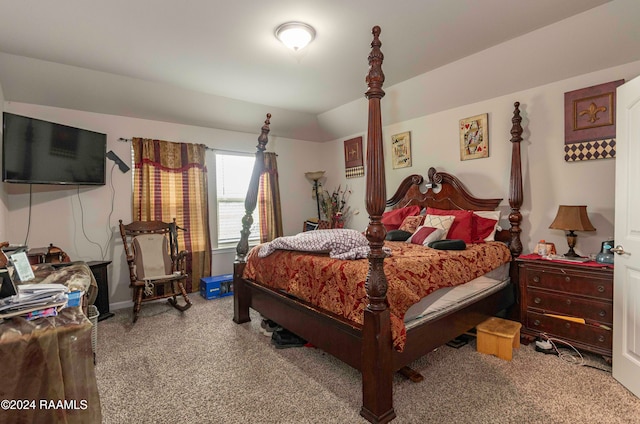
[445, 191]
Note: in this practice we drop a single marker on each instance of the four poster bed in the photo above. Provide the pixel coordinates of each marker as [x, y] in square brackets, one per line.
[362, 323]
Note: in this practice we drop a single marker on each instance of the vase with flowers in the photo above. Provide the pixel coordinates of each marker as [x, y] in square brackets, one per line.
[334, 206]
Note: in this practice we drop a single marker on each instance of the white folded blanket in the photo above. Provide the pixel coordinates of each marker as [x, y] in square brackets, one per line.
[340, 243]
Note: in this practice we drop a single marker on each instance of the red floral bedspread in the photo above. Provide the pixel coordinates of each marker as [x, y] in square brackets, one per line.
[413, 271]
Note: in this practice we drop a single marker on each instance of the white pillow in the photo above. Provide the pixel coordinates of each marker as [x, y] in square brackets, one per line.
[439, 221]
[490, 215]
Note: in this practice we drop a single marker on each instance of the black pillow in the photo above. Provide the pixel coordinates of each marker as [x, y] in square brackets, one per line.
[448, 244]
[398, 235]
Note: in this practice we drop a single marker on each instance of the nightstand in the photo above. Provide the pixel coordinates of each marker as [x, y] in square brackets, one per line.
[552, 293]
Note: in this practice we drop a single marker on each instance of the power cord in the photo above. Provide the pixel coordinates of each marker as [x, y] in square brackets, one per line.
[572, 355]
[82, 225]
[26, 237]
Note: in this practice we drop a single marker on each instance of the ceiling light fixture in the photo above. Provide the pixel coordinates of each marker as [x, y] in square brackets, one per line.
[295, 35]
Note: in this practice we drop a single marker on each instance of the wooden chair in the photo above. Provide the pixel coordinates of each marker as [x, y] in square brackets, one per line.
[152, 254]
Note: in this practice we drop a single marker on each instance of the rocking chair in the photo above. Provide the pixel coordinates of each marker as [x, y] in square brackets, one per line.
[151, 248]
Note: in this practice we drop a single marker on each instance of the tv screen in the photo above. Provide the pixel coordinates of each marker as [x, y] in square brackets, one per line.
[41, 152]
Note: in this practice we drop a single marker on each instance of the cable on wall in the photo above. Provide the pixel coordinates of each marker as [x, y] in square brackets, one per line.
[26, 237]
[82, 225]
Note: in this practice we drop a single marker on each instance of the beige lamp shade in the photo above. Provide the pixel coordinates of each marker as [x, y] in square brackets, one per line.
[314, 175]
[572, 218]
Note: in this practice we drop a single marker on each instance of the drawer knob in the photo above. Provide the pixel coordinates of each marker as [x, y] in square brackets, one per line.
[536, 279]
[536, 322]
[601, 289]
[601, 339]
[537, 300]
[568, 325]
[602, 313]
[567, 279]
[568, 301]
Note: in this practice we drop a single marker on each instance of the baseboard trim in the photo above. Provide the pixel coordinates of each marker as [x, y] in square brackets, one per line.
[120, 305]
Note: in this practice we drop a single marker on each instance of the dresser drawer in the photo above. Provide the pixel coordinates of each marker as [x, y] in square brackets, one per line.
[584, 283]
[560, 303]
[596, 337]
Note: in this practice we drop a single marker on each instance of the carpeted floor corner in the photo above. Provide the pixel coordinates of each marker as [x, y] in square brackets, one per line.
[201, 367]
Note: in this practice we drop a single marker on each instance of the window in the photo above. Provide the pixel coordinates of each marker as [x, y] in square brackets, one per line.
[233, 173]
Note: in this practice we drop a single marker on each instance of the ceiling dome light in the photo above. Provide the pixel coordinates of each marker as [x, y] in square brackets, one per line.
[295, 35]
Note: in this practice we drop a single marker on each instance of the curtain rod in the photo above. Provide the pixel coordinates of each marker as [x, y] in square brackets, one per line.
[129, 140]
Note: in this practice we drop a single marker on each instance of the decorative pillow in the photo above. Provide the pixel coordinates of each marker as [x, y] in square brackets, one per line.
[448, 244]
[485, 229]
[393, 218]
[486, 225]
[462, 227]
[398, 235]
[443, 222]
[411, 223]
[425, 235]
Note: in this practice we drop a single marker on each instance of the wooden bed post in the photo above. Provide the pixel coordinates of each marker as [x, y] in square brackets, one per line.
[241, 300]
[515, 185]
[377, 373]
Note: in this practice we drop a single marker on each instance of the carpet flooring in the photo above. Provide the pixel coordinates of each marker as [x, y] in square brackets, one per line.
[201, 367]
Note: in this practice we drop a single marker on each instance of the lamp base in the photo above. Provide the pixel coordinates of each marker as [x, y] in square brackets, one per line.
[571, 254]
[571, 241]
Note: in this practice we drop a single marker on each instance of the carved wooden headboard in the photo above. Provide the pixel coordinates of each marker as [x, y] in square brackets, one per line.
[450, 194]
[444, 191]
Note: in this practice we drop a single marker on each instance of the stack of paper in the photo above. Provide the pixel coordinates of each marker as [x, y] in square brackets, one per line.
[33, 297]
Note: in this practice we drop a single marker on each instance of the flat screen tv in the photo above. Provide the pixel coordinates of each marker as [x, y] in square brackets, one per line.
[41, 152]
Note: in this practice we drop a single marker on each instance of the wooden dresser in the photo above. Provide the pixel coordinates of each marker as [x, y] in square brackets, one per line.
[567, 291]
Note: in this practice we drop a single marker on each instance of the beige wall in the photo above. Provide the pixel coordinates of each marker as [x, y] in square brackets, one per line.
[82, 222]
[548, 180]
[3, 194]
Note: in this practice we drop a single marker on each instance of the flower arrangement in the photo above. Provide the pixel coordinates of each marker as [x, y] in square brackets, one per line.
[334, 206]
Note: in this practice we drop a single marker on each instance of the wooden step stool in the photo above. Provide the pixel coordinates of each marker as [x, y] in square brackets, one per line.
[497, 336]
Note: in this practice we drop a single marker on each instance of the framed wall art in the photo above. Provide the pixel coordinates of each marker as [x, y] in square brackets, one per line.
[589, 122]
[474, 137]
[401, 150]
[353, 158]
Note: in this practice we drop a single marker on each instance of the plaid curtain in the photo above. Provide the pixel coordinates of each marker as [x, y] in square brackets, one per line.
[269, 208]
[170, 181]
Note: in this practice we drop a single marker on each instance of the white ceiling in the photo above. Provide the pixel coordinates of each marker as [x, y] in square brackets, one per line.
[217, 63]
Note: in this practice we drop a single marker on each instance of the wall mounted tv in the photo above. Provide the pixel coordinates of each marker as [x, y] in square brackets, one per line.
[42, 152]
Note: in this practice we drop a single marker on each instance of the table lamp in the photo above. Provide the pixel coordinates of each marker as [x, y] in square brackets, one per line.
[315, 176]
[570, 219]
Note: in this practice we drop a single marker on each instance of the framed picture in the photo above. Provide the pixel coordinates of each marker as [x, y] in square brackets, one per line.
[474, 137]
[589, 122]
[353, 152]
[353, 158]
[401, 150]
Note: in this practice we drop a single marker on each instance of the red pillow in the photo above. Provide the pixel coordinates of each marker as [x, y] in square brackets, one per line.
[483, 228]
[393, 219]
[462, 227]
